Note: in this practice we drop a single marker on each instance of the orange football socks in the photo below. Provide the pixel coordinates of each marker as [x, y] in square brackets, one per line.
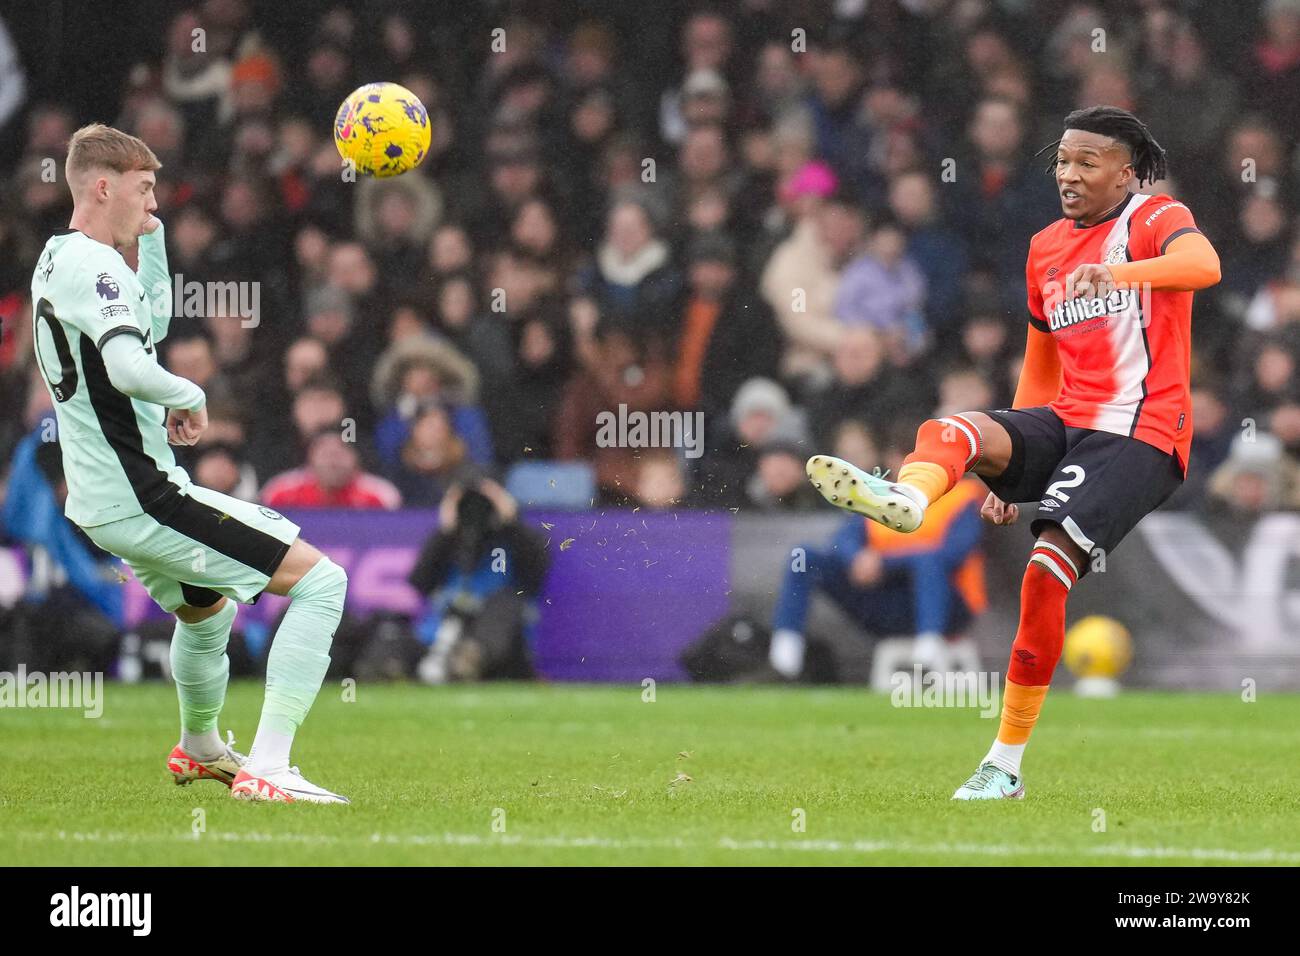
[1020, 708]
[946, 448]
[1034, 654]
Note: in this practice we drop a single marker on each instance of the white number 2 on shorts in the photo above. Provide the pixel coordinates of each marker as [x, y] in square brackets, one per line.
[1054, 489]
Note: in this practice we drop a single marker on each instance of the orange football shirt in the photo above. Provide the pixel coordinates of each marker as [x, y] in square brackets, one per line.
[1126, 357]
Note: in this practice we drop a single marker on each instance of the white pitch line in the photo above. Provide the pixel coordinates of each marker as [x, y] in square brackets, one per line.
[858, 847]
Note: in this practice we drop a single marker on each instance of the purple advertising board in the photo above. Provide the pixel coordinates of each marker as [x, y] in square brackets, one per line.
[626, 592]
[1210, 600]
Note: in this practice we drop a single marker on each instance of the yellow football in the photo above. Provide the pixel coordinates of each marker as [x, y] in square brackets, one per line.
[383, 129]
[1098, 646]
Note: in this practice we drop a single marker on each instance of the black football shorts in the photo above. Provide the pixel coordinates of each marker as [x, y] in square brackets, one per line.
[1096, 485]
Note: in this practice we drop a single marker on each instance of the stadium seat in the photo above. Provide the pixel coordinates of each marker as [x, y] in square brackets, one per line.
[552, 484]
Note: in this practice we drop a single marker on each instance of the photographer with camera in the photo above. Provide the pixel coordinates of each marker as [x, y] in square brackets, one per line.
[482, 571]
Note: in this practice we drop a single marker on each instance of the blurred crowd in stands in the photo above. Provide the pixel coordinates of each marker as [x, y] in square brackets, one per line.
[807, 221]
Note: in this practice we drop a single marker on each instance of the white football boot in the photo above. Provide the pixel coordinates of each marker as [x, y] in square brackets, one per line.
[991, 783]
[849, 487]
[282, 786]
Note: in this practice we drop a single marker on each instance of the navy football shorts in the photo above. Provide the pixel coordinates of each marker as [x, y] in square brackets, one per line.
[1096, 485]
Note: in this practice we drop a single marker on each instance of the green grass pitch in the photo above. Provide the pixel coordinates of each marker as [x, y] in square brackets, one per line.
[535, 774]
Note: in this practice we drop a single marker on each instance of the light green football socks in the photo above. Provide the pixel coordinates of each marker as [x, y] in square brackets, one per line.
[201, 670]
[297, 663]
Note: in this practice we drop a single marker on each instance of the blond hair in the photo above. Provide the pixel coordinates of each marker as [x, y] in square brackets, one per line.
[102, 147]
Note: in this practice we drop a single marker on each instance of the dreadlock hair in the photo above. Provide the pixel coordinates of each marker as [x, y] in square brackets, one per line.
[1148, 157]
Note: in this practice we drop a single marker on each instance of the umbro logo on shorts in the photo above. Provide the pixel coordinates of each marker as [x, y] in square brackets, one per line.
[275, 516]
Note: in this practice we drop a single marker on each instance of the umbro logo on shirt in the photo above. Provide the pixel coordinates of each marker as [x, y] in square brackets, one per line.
[1052, 271]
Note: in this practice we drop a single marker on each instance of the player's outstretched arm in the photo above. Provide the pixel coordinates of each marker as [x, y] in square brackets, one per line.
[1188, 264]
[155, 276]
[132, 372]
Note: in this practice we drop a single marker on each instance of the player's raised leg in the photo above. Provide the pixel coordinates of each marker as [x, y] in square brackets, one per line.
[946, 448]
[295, 669]
[201, 671]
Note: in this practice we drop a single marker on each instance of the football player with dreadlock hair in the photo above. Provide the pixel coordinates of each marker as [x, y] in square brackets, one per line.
[1101, 424]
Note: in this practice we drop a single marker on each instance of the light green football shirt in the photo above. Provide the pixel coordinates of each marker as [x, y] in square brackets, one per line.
[116, 459]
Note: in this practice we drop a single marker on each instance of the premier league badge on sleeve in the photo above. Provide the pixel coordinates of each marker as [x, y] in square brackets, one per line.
[106, 287]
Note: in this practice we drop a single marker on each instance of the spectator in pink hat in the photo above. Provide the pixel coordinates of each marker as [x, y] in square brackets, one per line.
[803, 273]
